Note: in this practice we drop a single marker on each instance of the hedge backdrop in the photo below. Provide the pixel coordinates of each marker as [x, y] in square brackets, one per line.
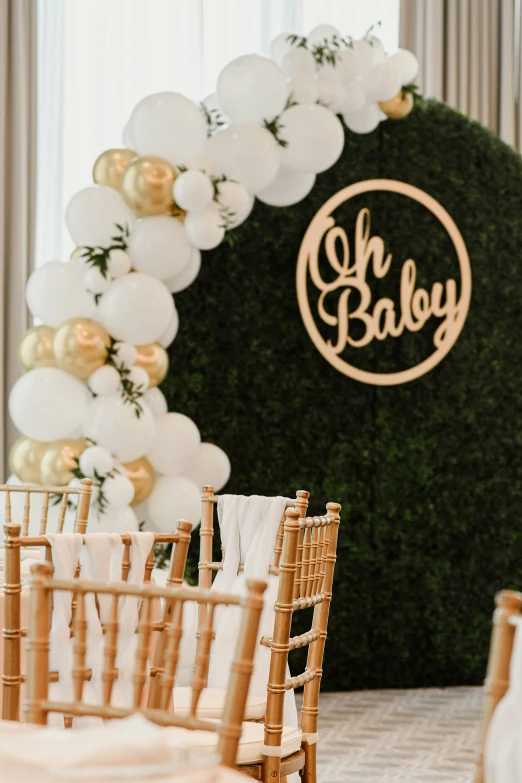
[429, 473]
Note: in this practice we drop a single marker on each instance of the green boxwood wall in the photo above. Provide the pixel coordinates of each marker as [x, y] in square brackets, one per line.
[429, 473]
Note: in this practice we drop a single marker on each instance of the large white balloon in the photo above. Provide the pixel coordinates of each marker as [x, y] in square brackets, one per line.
[212, 467]
[93, 214]
[280, 46]
[330, 93]
[113, 424]
[115, 519]
[155, 400]
[247, 154]
[167, 337]
[55, 292]
[365, 120]
[252, 88]
[159, 246]
[362, 52]
[236, 202]
[298, 63]
[289, 187]
[48, 404]
[205, 230]
[136, 308]
[315, 138]
[354, 97]
[303, 90]
[407, 65]
[187, 275]
[382, 82]
[175, 446]
[200, 163]
[174, 498]
[169, 125]
[193, 191]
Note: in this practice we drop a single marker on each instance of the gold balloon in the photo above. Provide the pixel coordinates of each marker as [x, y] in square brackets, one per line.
[81, 346]
[141, 473]
[24, 459]
[59, 460]
[155, 359]
[110, 166]
[146, 186]
[36, 348]
[399, 107]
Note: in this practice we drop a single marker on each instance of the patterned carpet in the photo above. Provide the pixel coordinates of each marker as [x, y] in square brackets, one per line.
[420, 736]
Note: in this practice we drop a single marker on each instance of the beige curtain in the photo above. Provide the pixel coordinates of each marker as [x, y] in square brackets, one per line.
[17, 190]
[470, 57]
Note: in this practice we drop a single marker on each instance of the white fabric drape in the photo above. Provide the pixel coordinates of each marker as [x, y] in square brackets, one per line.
[470, 57]
[17, 189]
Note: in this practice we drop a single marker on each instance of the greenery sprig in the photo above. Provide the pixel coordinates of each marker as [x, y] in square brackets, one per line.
[214, 119]
[130, 392]
[99, 256]
[328, 51]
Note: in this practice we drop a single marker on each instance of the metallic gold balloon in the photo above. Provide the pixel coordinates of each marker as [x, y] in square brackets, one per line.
[399, 107]
[80, 346]
[110, 166]
[146, 186]
[36, 348]
[141, 473]
[155, 359]
[59, 460]
[24, 459]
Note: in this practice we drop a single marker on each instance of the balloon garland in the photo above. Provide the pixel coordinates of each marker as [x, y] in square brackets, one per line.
[89, 404]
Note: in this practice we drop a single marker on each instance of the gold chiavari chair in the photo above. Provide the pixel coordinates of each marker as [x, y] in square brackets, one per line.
[14, 631]
[508, 605]
[228, 729]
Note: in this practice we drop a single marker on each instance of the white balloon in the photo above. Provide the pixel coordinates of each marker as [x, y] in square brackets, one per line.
[211, 104]
[200, 163]
[280, 46]
[407, 65]
[247, 154]
[96, 460]
[105, 380]
[205, 230]
[297, 63]
[113, 424]
[125, 353]
[169, 125]
[323, 33]
[55, 292]
[155, 400]
[251, 88]
[118, 490]
[348, 64]
[212, 467]
[193, 191]
[236, 202]
[379, 53]
[332, 73]
[330, 93]
[289, 187]
[303, 90]
[365, 120]
[95, 282]
[93, 214]
[174, 498]
[315, 138]
[175, 446]
[126, 136]
[140, 378]
[137, 308]
[187, 275]
[48, 404]
[114, 519]
[171, 331]
[382, 82]
[362, 52]
[118, 263]
[159, 246]
[354, 98]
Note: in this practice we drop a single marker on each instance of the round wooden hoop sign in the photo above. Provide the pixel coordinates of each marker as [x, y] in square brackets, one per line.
[417, 305]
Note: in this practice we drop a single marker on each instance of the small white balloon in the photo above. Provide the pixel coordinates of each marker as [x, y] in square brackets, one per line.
[298, 63]
[187, 275]
[175, 446]
[193, 191]
[94, 214]
[96, 461]
[348, 65]
[205, 230]
[365, 120]
[114, 519]
[155, 400]
[379, 53]
[280, 46]
[212, 467]
[113, 424]
[382, 82]
[200, 163]
[169, 125]
[95, 281]
[125, 353]
[362, 52]
[48, 404]
[407, 65]
[332, 73]
[55, 293]
[252, 88]
[174, 498]
[246, 153]
[354, 97]
[139, 378]
[235, 203]
[289, 187]
[137, 308]
[315, 138]
[159, 246]
[171, 331]
[330, 93]
[118, 263]
[323, 33]
[105, 380]
[118, 490]
[303, 90]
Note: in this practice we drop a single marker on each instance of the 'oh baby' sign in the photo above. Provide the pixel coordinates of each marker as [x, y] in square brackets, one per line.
[338, 273]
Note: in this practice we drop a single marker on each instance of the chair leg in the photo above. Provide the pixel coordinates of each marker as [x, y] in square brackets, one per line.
[310, 767]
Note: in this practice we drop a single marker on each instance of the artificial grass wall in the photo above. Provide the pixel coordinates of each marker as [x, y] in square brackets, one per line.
[429, 472]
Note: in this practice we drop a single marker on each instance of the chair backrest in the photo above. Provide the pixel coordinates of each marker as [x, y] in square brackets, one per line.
[14, 629]
[508, 605]
[39, 705]
[79, 496]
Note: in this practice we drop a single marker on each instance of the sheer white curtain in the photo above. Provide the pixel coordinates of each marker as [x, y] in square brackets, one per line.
[98, 58]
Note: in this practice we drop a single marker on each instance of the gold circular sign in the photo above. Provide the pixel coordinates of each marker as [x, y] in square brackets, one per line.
[417, 305]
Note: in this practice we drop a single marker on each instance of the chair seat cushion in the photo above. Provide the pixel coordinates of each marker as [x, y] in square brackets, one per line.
[212, 701]
[250, 745]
